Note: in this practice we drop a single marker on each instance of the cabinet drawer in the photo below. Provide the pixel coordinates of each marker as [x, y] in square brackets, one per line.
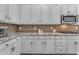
[72, 37]
[36, 37]
[49, 37]
[60, 42]
[60, 37]
[61, 50]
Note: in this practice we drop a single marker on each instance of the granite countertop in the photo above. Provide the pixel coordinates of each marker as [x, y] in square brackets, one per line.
[7, 38]
[48, 34]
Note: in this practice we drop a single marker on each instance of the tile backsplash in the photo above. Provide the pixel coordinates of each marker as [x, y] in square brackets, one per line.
[11, 27]
[42, 28]
[48, 28]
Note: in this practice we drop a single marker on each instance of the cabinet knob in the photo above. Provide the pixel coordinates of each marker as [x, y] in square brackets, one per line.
[6, 44]
[12, 49]
[6, 17]
[68, 11]
[45, 43]
[61, 50]
[31, 42]
[42, 43]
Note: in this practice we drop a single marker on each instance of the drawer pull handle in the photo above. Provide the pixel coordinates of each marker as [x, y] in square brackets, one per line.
[31, 42]
[42, 43]
[12, 49]
[60, 49]
[45, 43]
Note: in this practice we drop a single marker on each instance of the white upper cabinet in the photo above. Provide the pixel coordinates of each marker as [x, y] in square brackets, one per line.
[77, 9]
[46, 14]
[68, 9]
[13, 13]
[40, 14]
[51, 14]
[25, 14]
[35, 14]
[3, 16]
[77, 12]
[56, 14]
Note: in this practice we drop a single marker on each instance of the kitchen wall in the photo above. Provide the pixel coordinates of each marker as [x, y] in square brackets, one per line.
[11, 27]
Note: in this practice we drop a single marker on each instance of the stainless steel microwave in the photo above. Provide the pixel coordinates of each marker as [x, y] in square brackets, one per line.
[69, 19]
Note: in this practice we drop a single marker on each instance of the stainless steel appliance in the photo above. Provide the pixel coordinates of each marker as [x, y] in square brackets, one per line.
[70, 19]
[3, 31]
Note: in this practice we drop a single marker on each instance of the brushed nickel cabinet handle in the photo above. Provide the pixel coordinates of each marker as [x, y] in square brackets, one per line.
[12, 49]
[75, 43]
[45, 42]
[31, 42]
[42, 42]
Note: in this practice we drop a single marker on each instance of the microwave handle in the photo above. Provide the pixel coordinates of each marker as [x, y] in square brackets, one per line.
[77, 18]
[61, 19]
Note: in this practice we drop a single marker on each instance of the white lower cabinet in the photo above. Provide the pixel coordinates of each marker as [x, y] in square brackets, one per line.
[60, 50]
[61, 43]
[49, 46]
[27, 45]
[16, 47]
[12, 47]
[39, 46]
[72, 46]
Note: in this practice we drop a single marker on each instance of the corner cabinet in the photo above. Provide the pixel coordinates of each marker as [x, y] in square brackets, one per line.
[12, 47]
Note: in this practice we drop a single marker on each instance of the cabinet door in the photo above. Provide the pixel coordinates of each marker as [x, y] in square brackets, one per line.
[35, 14]
[3, 12]
[25, 14]
[72, 46]
[78, 12]
[49, 46]
[61, 43]
[38, 46]
[27, 45]
[5, 51]
[13, 14]
[46, 14]
[56, 14]
[69, 9]
[16, 47]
